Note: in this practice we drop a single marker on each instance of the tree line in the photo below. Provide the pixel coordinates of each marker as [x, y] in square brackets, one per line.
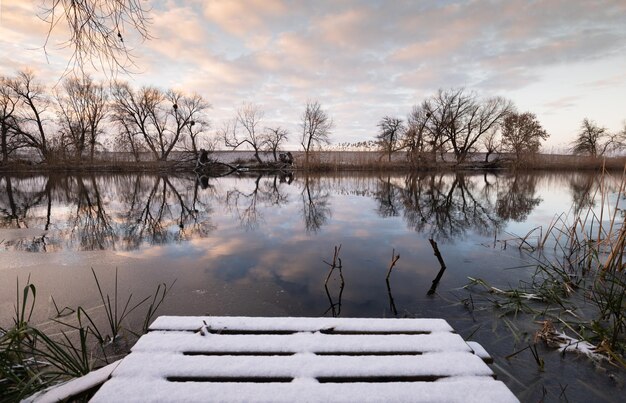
[69, 123]
[81, 116]
[460, 122]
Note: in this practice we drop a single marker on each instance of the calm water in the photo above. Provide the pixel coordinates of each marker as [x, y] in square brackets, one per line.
[256, 245]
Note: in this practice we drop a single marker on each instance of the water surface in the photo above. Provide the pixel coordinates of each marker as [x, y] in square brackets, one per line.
[258, 245]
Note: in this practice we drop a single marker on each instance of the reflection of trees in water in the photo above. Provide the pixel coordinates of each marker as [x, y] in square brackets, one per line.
[516, 196]
[581, 187]
[90, 225]
[18, 199]
[126, 211]
[159, 210]
[75, 210]
[445, 206]
[315, 205]
[267, 191]
[349, 183]
[15, 203]
[388, 197]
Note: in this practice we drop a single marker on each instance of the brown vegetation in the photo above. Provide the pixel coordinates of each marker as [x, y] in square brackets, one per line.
[319, 161]
[168, 130]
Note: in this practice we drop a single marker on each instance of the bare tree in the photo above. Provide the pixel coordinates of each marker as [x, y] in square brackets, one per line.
[460, 119]
[619, 140]
[598, 141]
[127, 139]
[98, 30]
[32, 112]
[390, 134]
[189, 118]
[159, 119]
[244, 129]
[522, 134]
[82, 105]
[199, 137]
[590, 139]
[8, 119]
[420, 139]
[491, 143]
[130, 117]
[316, 127]
[273, 138]
[156, 136]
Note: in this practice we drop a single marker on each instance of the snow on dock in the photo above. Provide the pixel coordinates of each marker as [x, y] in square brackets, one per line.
[243, 359]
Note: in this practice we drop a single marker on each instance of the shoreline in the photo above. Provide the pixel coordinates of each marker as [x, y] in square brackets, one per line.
[325, 161]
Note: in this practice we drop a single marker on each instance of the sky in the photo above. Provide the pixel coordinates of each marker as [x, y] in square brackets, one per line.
[362, 60]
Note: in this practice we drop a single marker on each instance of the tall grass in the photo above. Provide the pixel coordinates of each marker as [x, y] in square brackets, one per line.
[32, 359]
[579, 282]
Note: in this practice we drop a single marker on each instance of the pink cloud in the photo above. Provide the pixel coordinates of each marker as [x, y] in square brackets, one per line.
[348, 28]
[244, 17]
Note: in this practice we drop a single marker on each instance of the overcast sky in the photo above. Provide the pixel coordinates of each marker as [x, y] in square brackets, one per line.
[563, 60]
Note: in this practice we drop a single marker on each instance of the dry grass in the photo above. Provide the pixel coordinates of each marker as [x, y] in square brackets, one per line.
[580, 278]
[320, 161]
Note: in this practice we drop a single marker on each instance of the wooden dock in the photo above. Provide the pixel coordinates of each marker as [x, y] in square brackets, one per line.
[242, 359]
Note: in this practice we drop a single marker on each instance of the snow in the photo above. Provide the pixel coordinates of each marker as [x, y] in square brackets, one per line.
[160, 368]
[467, 390]
[568, 343]
[71, 388]
[300, 342]
[479, 351]
[299, 324]
[301, 365]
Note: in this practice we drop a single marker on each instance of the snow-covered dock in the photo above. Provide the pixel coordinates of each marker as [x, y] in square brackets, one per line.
[303, 359]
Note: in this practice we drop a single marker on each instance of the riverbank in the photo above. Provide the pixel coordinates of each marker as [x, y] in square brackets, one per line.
[320, 161]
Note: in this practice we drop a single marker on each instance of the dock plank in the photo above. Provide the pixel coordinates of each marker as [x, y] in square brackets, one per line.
[301, 342]
[468, 390]
[303, 359]
[362, 325]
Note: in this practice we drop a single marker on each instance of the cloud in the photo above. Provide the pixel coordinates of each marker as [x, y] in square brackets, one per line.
[352, 28]
[606, 83]
[243, 18]
[361, 59]
[562, 103]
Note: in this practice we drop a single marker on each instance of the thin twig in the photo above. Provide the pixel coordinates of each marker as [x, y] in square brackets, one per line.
[394, 259]
[334, 264]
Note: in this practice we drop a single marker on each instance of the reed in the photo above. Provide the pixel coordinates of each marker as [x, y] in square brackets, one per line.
[318, 161]
[34, 357]
[579, 280]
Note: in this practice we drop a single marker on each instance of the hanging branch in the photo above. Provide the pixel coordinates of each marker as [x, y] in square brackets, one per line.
[97, 30]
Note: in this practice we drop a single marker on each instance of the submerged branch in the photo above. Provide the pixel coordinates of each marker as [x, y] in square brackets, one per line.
[433, 287]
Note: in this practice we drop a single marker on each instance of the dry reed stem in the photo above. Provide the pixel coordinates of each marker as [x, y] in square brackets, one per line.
[334, 264]
[617, 252]
[394, 259]
[602, 196]
[620, 193]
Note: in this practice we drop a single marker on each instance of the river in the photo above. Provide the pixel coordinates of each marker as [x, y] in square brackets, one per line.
[260, 246]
